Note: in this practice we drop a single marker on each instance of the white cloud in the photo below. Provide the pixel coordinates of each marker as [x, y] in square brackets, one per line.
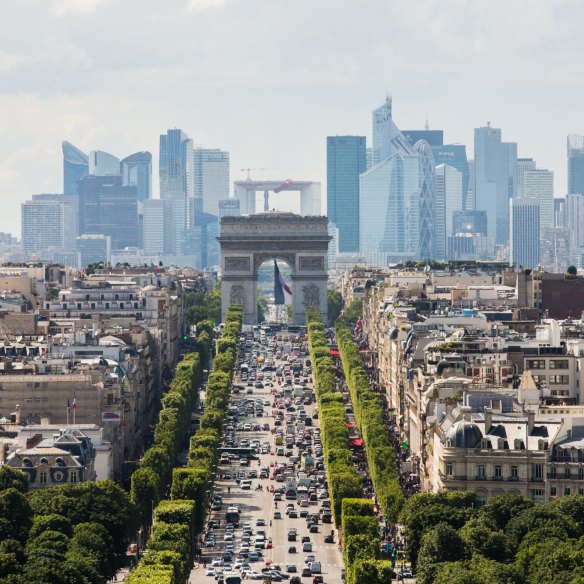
[200, 5]
[9, 62]
[65, 7]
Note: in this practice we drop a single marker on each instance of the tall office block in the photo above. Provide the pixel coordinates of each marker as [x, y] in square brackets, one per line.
[136, 171]
[346, 160]
[229, 208]
[384, 131]
[431, 211]
[449, 190]
[495, 180]
[94, 248]
[524, 232]
[539, 184]
[433, 137]
[575, 227]
[368, 158]
[465, 222]
[75, 167]
[560, 214]
[523, 165]
[157, 227]
[103, 164]
[107, 207]
[454, 155]
[176, 166]
[575, 165]
[211, 172]
[49, 222]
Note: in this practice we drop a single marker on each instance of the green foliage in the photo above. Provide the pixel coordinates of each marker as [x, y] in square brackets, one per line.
[335, 304]
[572, 270]
[370, 571]
[203, 306]
[16, 511]
[441, 543]
[353, 311]
[13, 478]
[52, 522]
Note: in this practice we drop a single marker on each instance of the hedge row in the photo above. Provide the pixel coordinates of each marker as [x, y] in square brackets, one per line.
[368, 408]
[195, 480]
[171, 545]
[343, 479]
[149, 482]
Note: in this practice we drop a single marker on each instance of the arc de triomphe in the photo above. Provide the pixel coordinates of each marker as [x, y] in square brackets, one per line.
[248, 241]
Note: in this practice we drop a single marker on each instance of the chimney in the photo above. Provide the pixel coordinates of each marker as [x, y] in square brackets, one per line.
[488, 419]
[530, 421]
[34, 440]
[15, 416]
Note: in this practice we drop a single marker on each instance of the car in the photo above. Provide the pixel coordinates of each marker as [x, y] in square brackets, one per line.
[309, 559]
[291, 568]
[254, 575]
[292, 549]
[307, 546]
[318, 580]
[313, 529]
[210, 572]
[254, 556]
[277, 515]
[260, 522]
[315, 567]
[293, 514]
[306, 573]
[405, 573]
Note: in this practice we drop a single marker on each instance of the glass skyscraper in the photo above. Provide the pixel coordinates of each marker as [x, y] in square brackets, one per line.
[524, 235]
[103, 164]
[211, 172]
[575, 165]
[431, 210]
[136, 172]
[346, 160]
[454, 155]
[176, 165]
[75, 167]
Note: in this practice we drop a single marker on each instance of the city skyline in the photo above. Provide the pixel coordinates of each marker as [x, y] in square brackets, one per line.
[118, 97]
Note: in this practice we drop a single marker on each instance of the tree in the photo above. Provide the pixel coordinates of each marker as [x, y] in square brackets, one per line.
[52, 522]
[501, 509]
[480, 539]
[16, 510]
[335, 304]
[12, 477]
[441, 543]
[572, 271]
[353, 311]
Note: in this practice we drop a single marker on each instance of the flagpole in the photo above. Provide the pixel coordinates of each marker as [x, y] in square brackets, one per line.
[67, 413]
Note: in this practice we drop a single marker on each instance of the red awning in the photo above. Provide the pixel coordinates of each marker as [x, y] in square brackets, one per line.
[334, 353]
[350, 425]
[357, 442]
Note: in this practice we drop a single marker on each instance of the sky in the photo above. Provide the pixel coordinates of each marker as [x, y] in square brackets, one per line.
[268, 80]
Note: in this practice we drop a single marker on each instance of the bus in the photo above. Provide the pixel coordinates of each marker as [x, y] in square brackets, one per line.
[232, 516]
[232, 578]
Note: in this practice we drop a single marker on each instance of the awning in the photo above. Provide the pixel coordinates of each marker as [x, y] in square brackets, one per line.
[350, 425]
[357, 442]
[334, 353]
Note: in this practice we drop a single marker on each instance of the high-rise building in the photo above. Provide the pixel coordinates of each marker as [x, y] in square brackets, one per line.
[136, 172]
[464, 222]
[575, 165]
[211, 171]
[49, 222]
[176, 165]
[523, 165]
[449, 190]
[93, 249]
[524, 232]
[346, 160]
[368, 157]
[389, 191]
[575, 226]
[433, 137]
[75, 167]
[157, 227]
[495, 180]
[560, 219]
[107, 207]
[455, 155]
[229, 208]
[103, 164]
[431, 211]
[539, 184]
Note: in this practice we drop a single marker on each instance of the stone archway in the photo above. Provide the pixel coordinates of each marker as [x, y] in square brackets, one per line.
[247, 242]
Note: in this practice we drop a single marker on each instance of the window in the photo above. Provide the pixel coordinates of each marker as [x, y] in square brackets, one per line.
[93, 306]
[559, 379]
[581, 474]
[567, 473]
[537, 496]
[498, 471]
[558, 364]
[43, 477]
[580, 491]
[481, 471]
[540, 378]
[536, 364]
[567, 490]
[553, 472]
[73, 476]
[553, 491]
[514, 472]
[449, 469]
[537, 471]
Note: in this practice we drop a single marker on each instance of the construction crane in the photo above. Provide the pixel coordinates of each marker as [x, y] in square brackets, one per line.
[261, 169]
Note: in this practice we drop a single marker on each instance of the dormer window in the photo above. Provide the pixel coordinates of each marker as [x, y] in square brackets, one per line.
[26, 462]
[60, 461]
[485, 444]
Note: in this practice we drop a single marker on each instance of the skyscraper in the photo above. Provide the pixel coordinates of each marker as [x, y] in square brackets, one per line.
[449, 189]
[108, 208]
[211, 171]
[455, 155]
[48, 222]
[157, 227]
[176, 165]
[495, 180]
[575, 222]
[383, 132]
[346, 160]
[523, 165]
[434, 138]
[136, 172]
[103, 164]
[431, 213]
[539, 184]
[524, 232]
[75, 167]
[575, 165]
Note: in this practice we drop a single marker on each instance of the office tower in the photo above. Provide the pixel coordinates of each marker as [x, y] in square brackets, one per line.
[560, 219]
[48, 222]
[449, 189]
[229, 208]
[470, 202]
[433, 137]
[107, 207]
[575, 165]
[211, 171]
[103, 164]
[464, 222]
[524, 232]
[495, 180]
[157, 227]
[93, 249]
[176, 165]
[539, 184]
[368, 158]
[455, 155]
[523, 165]
[389, 191]
[575, 226]
[333, 248]
[75, 167]
[431, 211]
[136, 171]
[201, 240]
[346, 160]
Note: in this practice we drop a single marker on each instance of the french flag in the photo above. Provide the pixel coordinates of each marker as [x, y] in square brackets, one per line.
[282, 292]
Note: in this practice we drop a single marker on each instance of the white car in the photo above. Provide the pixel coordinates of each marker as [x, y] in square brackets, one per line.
[210, 572]
[228, 537]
